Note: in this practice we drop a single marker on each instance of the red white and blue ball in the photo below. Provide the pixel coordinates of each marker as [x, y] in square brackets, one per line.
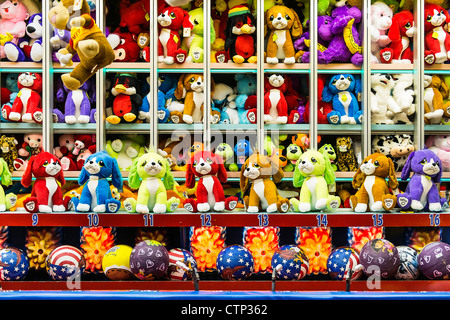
[409, 264]
[434, 260]
[14, 264]
[235, 263]
[149, 260]
[179, 260]
[379, 257]
[65, 262]
[341, 261]
[290, 263]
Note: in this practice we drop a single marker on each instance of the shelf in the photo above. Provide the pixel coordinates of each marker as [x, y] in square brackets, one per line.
[286, 68]
[339, 128]
[127, 128]
[74, 128]
[392, 128]
[437, 128]
[21, 66]
[170, 127]
[392, 68]
[288, 128]
[20, 127]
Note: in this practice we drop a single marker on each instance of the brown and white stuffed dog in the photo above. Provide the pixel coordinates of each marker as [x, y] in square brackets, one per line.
[373, 192]
[284, 25]
[190, 87]
[260, 173]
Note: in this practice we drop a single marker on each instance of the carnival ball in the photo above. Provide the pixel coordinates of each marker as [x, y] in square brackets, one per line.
[116, 263]
[341, 261]
[149, 260]
[181, 262]
[14, 264]
[235, 263]
[290, 263]
[434, 260]
[379, 257]
[409, 264]
[65, 262]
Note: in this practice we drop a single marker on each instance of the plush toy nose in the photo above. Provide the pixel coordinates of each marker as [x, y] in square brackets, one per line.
[31, 29]
[120, 88]
[153, 163]
[246, 28]
[294, 151]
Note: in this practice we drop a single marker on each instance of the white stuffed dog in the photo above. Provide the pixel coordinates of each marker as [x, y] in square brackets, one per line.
[381, 20]
[383, 105]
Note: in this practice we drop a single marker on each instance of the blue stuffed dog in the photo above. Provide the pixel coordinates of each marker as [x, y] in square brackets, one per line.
[96, 194]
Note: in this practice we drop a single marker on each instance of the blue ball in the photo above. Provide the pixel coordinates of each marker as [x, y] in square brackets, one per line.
[290, 262]
[14, 264]
[409, 264]
[235, 263]
[341, 260]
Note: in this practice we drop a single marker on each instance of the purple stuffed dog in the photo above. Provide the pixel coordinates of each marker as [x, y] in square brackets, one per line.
[421, 192]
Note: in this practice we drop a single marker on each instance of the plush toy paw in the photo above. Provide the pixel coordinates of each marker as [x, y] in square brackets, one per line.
[172, 204]
[282, 120]
[188, 119]
[435, 206]
[37, 117]
[36, 52]
[84, 207]
[404, 200]
[2, 207]
[142, 208]
[389, 202]
[11, 200]
[190, 205]
[13, 53]
[64, 57]
[273, 60]
[203, 207]
[231, 203]
[238, 59]
[290, 60]
[272, 208]
[321, 203]
[253, 209]
[113, 119]
[429, 57]
[386, 55]
[14, 116]
[31, 204]
[70, 82]
[294, 116]
[100, 208]
[219, 206]
[130, 205]
[251, 115]
[112, 205]
[283, 206]
[180, 56]
[176, 117]
[89, 47]
[221, 56]
[58, 208]
[304, 206]
[267, 118]
[377, 206]
[416, 205]
[333, 117]
[333, 203]
[159, 208]
[129, 117]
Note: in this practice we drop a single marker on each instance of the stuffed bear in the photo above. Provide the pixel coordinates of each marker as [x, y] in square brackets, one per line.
[87, 40]
[32, 145]
[381, 15]
[246, 97]
[82, 142]
[66, 143]
[12, 23]
[124, 103]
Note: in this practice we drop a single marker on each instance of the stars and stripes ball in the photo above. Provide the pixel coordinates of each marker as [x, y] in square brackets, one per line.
[290, 263]
[116, 263]
[235, 262]
[65, 262]
[14, 264]
[434, 260]
[379, 257]
[409, 264]
[149, 260]
[341, 261]
[179, 260]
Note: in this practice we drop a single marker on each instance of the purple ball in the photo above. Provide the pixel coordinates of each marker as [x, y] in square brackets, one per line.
[379, 257]
[149, 260]
[434, 260]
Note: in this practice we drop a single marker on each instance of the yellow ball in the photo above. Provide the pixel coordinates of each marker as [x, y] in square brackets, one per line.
[116, 263]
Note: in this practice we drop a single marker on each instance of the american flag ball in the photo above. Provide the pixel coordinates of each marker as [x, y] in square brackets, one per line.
[290, 263]
[341, 261]
[65, 262]
[14, 264]
[149, 260]
[409, 264]
[434, 260]
[183, 257]
[235, 262]
[116, 263]
[379, 257]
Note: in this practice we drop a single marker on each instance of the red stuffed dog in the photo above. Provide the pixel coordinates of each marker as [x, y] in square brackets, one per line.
[210, 170]
[275, 104]
[437, 39]
[170, 21]
[400, 33]
[46, 194]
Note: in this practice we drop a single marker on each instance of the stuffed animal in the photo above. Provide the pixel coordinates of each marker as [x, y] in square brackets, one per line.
[404, 95]
[324, 107]
[190, 88]
[225, 151]
[327, 150]
[275, 104]
[125, 46]
[170, 21]
[440, 144]
[383, 105]
[436, 93]
[46, 194]
[77, 103]
[8, 151]
[242, 150]
[345, 154]
[211, 174]
[29, 48]
[126, 150]
[342, 90]
[66, 143]
[71, 160]
[150, 173]
[96, 194]
[12, 23]
[381, 16]
[293, 153]
[258, 178]
[283, 26]
[125, 99]
[135, 17]
[397, 147]
[374, 193]
[240, 32]
[167, 83]
[9, 200]
[400, 33]
[27, 106]
[246, 86]
[224, 100]
[422, 191]
[32, 145]
[437, 38]
[313, 174]
[87, 40]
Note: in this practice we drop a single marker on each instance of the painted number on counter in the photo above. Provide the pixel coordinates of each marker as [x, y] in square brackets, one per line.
[435, 219]
[263, 219]
[322, 220]
[148, 220]
[34, 219]
[377, 220]
[93, 219]
[206, 220]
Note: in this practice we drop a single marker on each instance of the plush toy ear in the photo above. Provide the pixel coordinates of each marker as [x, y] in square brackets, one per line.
[6, 174]
[277, 172]
[437, 177]
[190, 176]
[27, 176]
[406, 171]
[116, 175]
[329, 174]
[358, 179]
[298, 178]
[186, 21]
[393, 182]
[60, 176]
[243, 181]
[297, 29]
[394, 30]
[168, 179]
[358, 86]
[327, 95]
[133, 177]
[180, 91]
[447, 15]
[444, 88]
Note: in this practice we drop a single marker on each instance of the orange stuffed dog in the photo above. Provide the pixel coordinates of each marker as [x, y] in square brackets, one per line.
[263, 173]
[370, 179]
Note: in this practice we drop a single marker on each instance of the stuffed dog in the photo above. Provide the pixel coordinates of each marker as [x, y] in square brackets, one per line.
[96, 194]
[422, 192]
[150, 173]
[6, 201]
[46, 194]
[210, 170]
[275, 104]
[284, 25]
[437, 38]
[373, 192]
[383, 105]
[313, 174]
[257, 182]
